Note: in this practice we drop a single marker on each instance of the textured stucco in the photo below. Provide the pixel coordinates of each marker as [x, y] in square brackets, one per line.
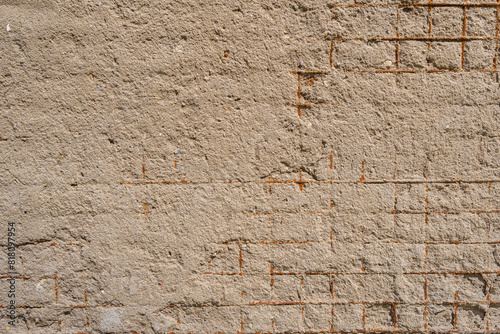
[250, 166]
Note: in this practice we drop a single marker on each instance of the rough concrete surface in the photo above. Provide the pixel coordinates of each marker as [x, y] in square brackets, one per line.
[224, 166]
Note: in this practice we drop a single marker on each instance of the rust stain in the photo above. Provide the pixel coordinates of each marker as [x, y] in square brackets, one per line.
[497, 29]
[464, 29]
[394, 316]
[241, 261]
[417, 4]
[146, 212]
[364, 319]
[331, 52]
[56, 287]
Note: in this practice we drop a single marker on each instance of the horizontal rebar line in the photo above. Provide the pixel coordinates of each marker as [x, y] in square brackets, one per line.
[419, 71]
[425, 4]
[291, 303]
[292, 242]
[309, 72]
[369, 331]
[416, 38]
[331, 181]
[328, 212]
[280, 303]
[396, 71]
[299, 273]
[27, 277]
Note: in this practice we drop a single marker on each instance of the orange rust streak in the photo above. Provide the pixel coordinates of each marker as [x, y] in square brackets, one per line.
[271, 272]
[362, 179]
[362, 272]
[395, 198]
[331, 53]
[430, 32]
[291, 242]
[394, 316]
[464, 28]
[364, 318]
[332, 288]
[241, 261]
[380, 181]
[455, 315]
[11, 276]
[418, 38]
[56, 288]
[420, 71]
[333, 319]
[397, 43]
[146, 212]
[307, 72]
[426, 313]
[55, 244]
[488, 305]
[417, 4]
[380, 211]
[425, 288]
[426, 196]
[497, 29]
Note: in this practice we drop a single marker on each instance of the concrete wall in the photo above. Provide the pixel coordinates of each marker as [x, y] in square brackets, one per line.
[250, 166]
